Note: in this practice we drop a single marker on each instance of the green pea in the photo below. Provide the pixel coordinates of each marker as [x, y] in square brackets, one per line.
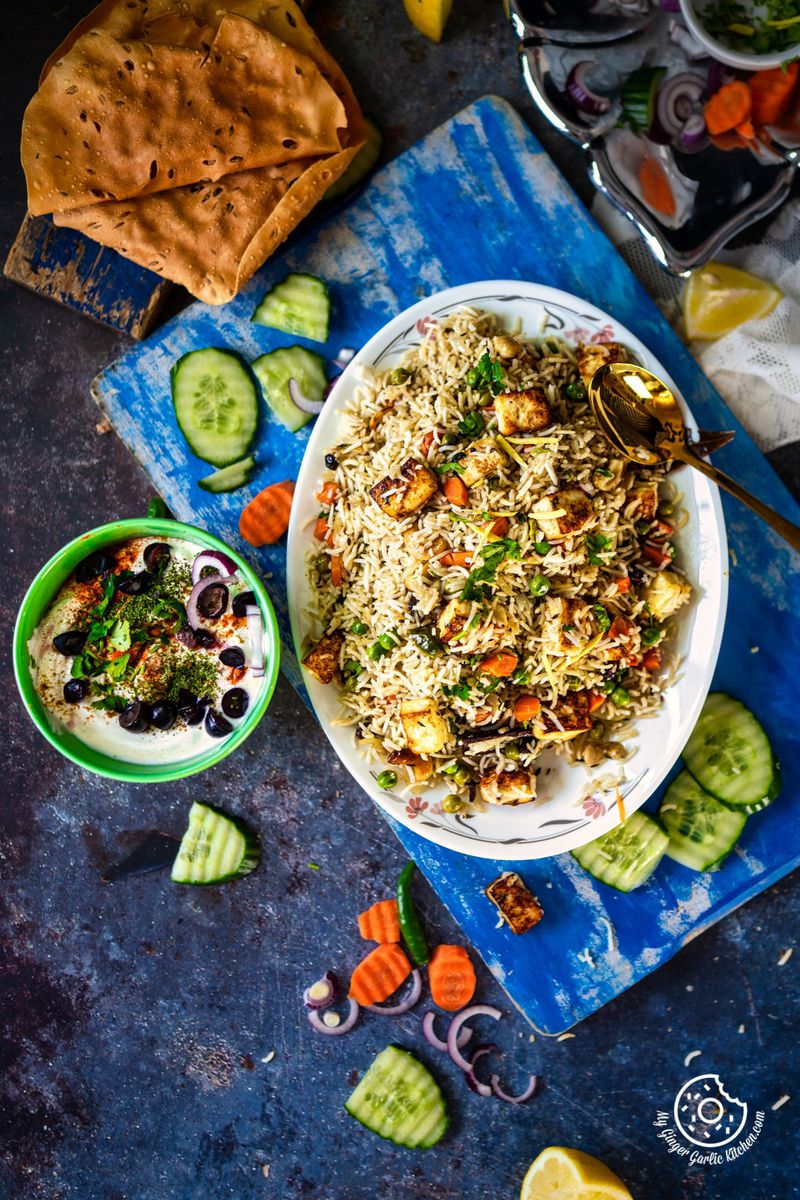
[400, 375]
[651, 635]
[473, 377]
[351, 683]
[512, 751]
[575, 390]
[359, 627]
[461, 775]
[388, 641]
[452, 803]
[643, 527]
[609, 686]
[597, 732]
[621, 697]
[449, 439]
[666, 508]
[387, 779]
[375, 651]
[542, 547]
[352, 667]
[539, 585]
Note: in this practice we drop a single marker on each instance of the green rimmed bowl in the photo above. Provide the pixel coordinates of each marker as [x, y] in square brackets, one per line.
[43, 591]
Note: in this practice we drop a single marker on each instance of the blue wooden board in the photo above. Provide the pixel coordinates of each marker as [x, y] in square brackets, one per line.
[480, 199]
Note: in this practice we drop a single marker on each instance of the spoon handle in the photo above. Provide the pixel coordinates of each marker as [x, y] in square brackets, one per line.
[787, 530]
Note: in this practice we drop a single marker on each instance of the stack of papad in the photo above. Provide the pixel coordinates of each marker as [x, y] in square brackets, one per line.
[211, 233]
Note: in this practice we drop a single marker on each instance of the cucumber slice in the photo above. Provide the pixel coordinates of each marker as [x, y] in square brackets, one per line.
[627, 855]
[216, 405]
[730, 755]
[400, 1100]
[639, 97]
[299, 305]
[361, 165]
[228, 479]
[273, 371]
[215, 848]
[701, 830]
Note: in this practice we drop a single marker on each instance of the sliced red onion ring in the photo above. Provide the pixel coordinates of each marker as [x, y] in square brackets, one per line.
[221, 564]
[345, 356]
[335, 1030]
[677, 99]
[312, 407]
[474, 1010]
[477, 1085]
[193, 614]
[581, 94]
[322, 993]
[436, 1042]
[396, 1010]
[521, 1098]
[693, 134]
[255, 629]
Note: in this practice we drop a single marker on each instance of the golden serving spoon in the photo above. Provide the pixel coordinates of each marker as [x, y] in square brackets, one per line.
[642, 419]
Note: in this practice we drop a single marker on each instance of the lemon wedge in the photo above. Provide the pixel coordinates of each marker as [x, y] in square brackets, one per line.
[429, 16]
[563, 1174]
[719, 298]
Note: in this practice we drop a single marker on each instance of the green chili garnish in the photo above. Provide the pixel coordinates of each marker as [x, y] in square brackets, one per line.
[410, 926]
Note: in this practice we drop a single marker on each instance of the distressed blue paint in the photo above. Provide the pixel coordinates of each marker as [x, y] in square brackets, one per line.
[479, 199]
[65, 266]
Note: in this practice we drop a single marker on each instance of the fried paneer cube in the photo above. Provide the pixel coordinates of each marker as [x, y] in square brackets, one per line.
[515, 901]
[508, 787]
[571, 719]
[426, 731]
[666, 593]
[484, 458]
[323, 659]
[522, 412]
[452, 619]
[591, 357]
[645, 496]
[575, 511]
[410, 491]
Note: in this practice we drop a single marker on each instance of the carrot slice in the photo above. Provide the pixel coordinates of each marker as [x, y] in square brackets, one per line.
[328, 493]
[500, 527]
[452, 977]
[456, 491]
[337, 570]
[771, 93]
[500, 665]
[456, 558]
[379, 974]
[266, 518]
[426, 443]
[655, 555]
[323, 531]
[526, 708]
[656, 188]
[651, 660]
[728, 107]
[624, 583]
[380, 923]
[596, 700]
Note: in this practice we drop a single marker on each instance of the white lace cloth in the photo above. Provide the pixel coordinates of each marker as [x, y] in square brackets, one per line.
[757, 366]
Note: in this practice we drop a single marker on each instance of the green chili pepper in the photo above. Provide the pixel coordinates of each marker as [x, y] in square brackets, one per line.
[410, 927]
[157, 508]
[387, 779]
[426, 640]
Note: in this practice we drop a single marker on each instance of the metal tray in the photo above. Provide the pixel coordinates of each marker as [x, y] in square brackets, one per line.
[724, 191]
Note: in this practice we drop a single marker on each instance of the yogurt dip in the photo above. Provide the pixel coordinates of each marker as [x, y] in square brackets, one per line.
[151, 651]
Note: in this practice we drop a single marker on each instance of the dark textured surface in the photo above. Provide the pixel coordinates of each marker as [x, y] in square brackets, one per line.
[135, 1015]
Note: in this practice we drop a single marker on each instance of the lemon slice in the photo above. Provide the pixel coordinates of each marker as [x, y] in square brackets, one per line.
[719, 298]
[563, 1174]
[429, 16]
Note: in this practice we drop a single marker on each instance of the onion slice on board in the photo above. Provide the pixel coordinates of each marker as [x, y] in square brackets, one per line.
[312, 407]
[474, 1010]
[483, 1089]
[335, 1030]
[436, 1042]
[322, 993]
[521, 1098]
